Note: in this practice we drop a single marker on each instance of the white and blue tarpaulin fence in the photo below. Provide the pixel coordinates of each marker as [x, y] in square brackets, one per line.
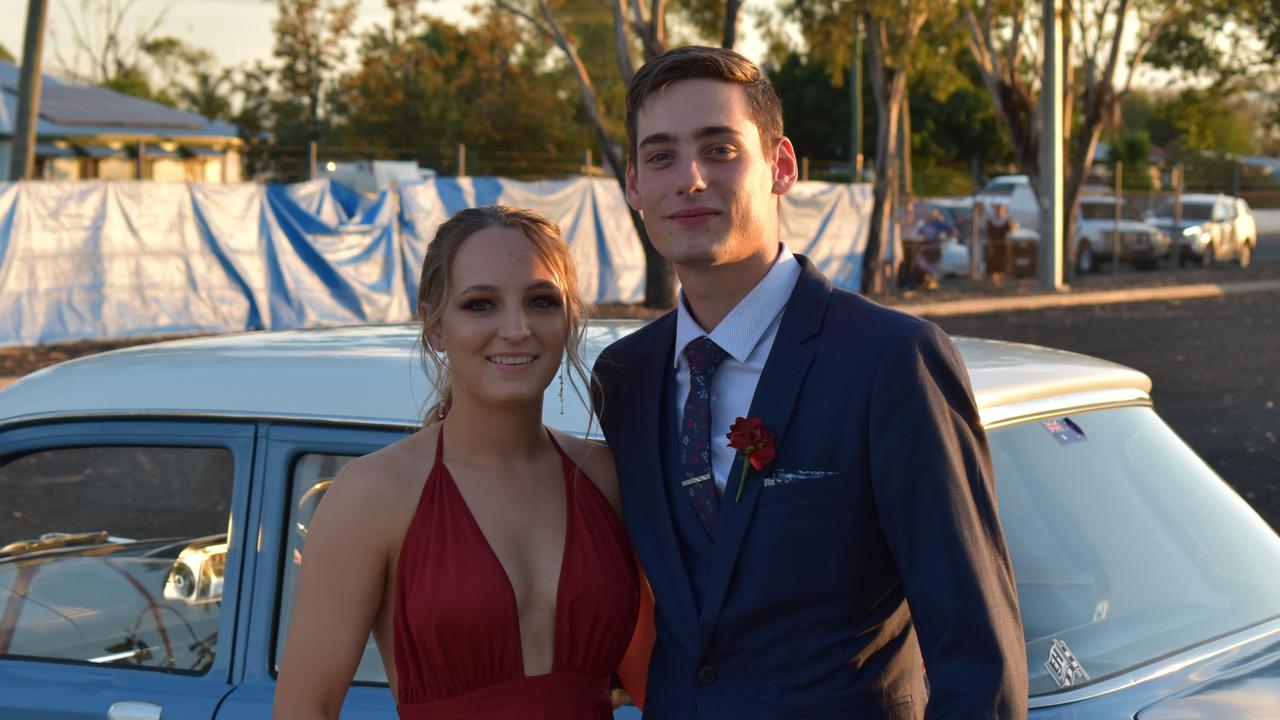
[102, 260]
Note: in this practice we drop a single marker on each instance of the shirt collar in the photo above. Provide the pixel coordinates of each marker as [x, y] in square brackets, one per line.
[745, 326]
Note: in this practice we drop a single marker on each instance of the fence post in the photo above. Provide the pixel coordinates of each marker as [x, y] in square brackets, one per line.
[462, 160]
[804, 168]
[975, 272]
[586, 163]
[1176, 241]
[313, 155]
[1115, 227]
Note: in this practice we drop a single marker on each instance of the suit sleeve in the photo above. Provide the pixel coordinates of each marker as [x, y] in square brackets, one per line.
[935, 497]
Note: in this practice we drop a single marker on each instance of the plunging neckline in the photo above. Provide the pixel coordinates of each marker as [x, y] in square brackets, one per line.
[511, 589]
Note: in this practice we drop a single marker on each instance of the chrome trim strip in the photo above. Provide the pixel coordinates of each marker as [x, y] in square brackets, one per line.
[1160, 668]
[210, 415]
[217, 416]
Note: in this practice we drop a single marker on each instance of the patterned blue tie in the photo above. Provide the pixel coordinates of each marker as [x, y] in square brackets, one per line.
[695, 431]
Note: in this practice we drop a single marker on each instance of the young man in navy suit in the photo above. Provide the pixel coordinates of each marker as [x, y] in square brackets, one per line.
[865, 549]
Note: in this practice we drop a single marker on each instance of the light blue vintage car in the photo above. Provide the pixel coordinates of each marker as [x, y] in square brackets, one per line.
[154, 504]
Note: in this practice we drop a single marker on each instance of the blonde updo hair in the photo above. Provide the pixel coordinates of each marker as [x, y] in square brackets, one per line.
[434, 285]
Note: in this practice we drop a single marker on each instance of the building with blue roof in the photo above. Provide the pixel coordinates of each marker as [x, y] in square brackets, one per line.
[86, 132]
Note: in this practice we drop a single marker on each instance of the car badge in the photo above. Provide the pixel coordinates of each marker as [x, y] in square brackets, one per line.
[1063, 667]
[1064, 430]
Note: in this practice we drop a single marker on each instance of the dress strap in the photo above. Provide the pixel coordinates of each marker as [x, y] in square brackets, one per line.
[439, 446]
[563, 455]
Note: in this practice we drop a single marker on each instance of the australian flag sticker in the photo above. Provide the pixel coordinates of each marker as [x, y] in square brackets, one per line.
[1064, 430]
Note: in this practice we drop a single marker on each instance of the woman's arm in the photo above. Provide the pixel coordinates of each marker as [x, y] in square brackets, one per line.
[634, 669]
[340, 590]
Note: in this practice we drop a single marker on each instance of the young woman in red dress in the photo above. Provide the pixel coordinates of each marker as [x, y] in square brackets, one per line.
[485, 552]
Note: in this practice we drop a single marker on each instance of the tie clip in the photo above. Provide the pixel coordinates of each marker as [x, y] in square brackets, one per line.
[695, 480]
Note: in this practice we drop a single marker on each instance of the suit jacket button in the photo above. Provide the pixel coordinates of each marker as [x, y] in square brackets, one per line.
[706, 674]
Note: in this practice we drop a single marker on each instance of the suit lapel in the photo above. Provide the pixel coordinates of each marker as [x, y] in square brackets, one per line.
[774, 401]
[655, 512]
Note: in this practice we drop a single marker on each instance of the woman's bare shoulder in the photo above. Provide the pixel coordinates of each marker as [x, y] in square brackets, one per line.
[388, 479]
[595, 460]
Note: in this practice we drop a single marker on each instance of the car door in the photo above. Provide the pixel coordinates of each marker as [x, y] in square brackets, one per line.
[296, 464]
[1232, 223]
[1222, 230]
[1246, 227]
[141, 616]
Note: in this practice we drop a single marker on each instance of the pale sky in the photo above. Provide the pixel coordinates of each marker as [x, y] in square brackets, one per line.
[239, 31]
[236, 31]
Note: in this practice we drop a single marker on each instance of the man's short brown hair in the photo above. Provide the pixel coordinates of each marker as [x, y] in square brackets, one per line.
[695, 62]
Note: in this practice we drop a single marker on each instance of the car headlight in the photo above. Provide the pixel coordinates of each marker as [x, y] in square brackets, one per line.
[196, 576]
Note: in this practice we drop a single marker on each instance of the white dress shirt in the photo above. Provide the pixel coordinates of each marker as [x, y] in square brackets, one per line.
[746, 334]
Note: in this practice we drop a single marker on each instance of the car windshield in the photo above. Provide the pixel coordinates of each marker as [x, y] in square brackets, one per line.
[998, 188]
[1190, 210]
[1125, 545]
[1107, 211]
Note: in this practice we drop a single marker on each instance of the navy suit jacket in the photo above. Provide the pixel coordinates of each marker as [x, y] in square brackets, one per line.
[879, 551]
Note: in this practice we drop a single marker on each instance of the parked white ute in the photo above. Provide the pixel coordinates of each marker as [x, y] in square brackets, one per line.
[1099, 235]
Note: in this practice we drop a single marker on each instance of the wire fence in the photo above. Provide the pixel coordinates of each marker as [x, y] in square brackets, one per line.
[288, 163]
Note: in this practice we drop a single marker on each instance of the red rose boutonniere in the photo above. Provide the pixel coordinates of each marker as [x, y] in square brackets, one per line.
[754, 443]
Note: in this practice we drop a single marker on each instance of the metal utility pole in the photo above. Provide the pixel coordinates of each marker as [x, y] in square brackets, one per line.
[1051, 162]
[22, 164]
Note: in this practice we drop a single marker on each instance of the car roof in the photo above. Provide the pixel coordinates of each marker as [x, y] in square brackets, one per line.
[373, 375]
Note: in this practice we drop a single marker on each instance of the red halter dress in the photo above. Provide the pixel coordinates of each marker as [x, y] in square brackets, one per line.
[457, 628]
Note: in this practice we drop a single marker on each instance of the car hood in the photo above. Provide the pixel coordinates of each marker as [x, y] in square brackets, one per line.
[1126, 226]
[1236, 676]
[1168, 225]
[1246, 686]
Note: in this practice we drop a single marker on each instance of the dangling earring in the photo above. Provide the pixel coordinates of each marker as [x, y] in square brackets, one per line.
[562, 389]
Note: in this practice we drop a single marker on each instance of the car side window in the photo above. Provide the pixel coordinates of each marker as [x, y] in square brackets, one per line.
[115, 554]
[310, 479]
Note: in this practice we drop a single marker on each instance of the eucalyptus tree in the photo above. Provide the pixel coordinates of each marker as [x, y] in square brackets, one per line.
[893, 32]
[1106, 43]
[309, 43]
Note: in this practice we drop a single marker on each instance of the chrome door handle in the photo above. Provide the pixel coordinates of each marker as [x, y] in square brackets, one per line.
[133, 711]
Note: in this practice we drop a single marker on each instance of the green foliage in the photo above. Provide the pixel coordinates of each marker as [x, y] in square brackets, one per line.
[932, 179]
[133, 81]
[953, 123]
[309, 37]
[589, 25]
[1133, 150]
[816, 111]
[207, 94]
[489, 87]
[5, 55]
[1217, 39]
[1194, 120]
[1133, 147]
